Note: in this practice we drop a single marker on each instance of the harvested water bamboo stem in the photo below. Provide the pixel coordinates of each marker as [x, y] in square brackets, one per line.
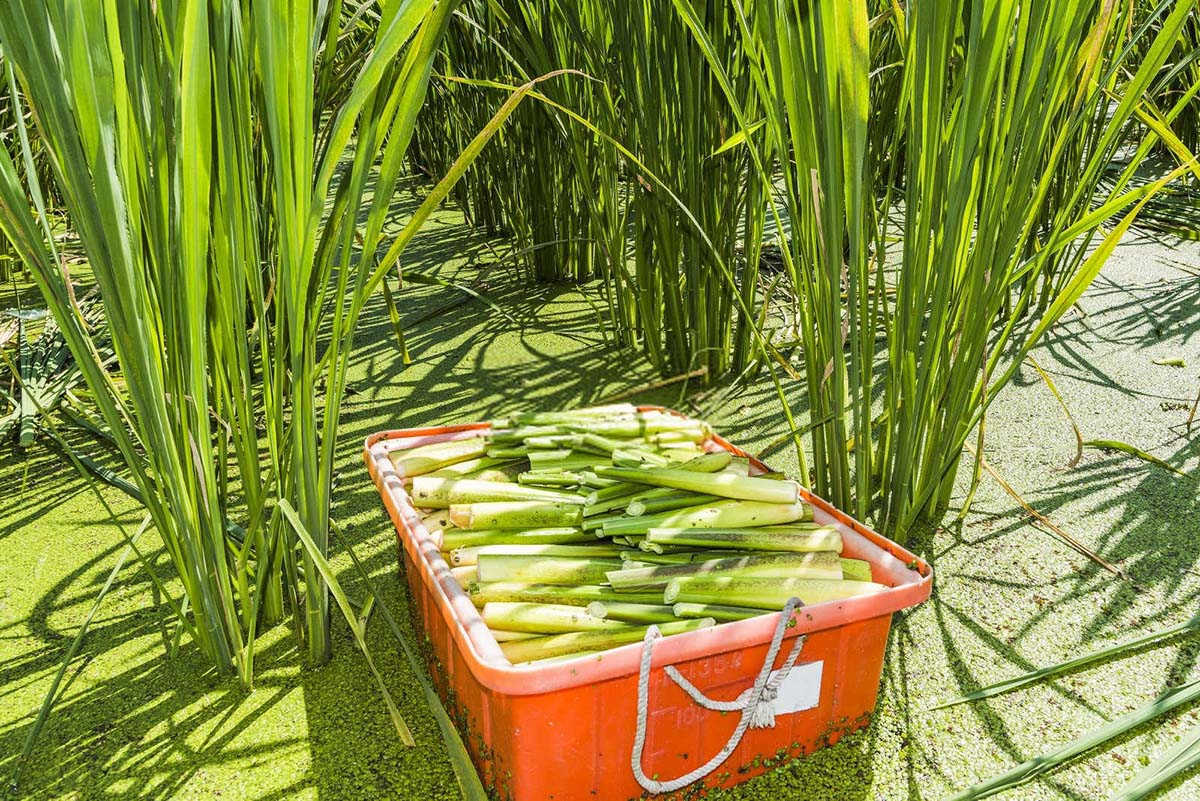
[802, 537]
[722, 514]
[433, 492]
[577, 595]
[725, 485]
[544, 570]
[515, 514]
[558, 644]
[428, 458]
[544, 618]
[719, 612]
[471, 555]
[642, 614]
[466, 538]
[760, 593]
[824, 564]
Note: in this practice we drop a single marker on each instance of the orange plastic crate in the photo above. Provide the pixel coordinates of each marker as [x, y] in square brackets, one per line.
[565, 731]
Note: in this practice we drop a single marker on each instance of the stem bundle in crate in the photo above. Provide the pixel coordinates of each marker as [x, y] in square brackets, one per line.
[763, 593]
[559, 644]
[551, 546]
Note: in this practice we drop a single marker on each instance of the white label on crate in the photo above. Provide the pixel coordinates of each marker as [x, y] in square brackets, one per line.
[800, 688]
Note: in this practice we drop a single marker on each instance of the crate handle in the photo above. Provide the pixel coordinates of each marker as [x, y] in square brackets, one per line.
[756, 703]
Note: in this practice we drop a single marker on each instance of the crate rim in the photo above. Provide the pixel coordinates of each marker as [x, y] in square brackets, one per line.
[913, 577]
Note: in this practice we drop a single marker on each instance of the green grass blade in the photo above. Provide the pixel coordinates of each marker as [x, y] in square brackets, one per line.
[348, 611]
[1111, 652]
[1125, 447]
[1031, 769]
[1066, 410]
[460, 758]
[1175, 761]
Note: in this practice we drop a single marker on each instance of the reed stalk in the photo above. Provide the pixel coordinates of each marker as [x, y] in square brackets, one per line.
[576, 595]
[217, 179]
[560, 644]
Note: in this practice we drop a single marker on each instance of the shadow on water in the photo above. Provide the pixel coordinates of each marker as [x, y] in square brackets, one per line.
[1145, 509]
[1165, 312]
[149, 726]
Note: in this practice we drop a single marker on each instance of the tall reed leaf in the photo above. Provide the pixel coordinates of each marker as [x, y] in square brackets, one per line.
[1032, 768]
[1111, 652]
[231, 204]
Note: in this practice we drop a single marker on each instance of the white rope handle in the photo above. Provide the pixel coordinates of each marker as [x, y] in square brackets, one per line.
[756, 703]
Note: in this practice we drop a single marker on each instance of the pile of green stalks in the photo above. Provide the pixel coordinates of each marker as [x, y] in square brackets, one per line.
[573, 531]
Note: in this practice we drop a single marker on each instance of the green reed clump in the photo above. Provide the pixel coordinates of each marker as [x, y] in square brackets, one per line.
[453, 110]
[904, 347]
[215, 159]
[552, 190]
[1094, 165]
[1177, 81]
[672, 117]
[652, 193]
[993, 104]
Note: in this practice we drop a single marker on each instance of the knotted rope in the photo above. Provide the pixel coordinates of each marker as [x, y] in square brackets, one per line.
[757, 703]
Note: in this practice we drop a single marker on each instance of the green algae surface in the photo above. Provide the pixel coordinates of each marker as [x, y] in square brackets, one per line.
[1009, 596]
